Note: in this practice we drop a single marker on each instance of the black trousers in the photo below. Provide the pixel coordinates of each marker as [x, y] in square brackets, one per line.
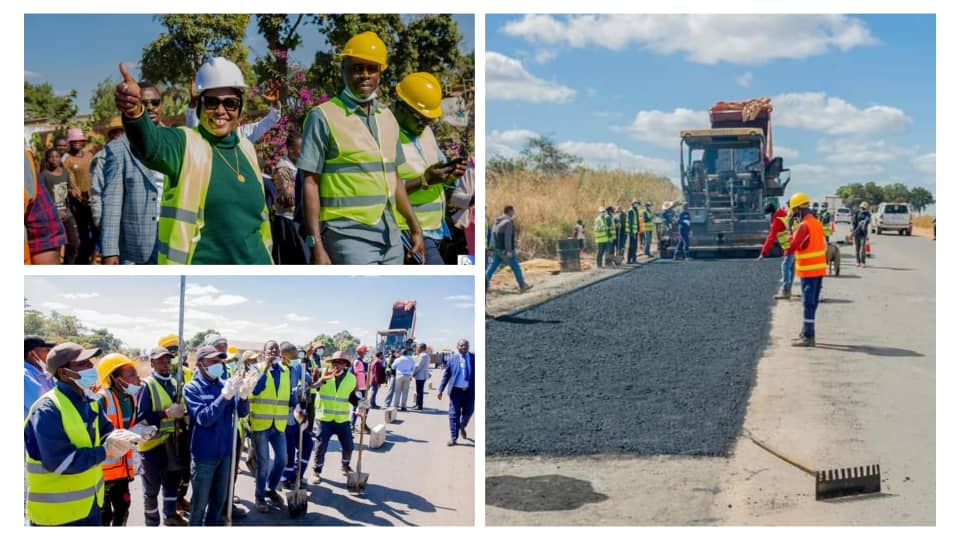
[420, 384]
[116, 503]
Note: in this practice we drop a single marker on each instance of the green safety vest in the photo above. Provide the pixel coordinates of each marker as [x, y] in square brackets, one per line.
[633, 221]
[57, 499]
[160, 400]
[428, 203]
[784, 236]
[358, 182]
[271, 406]
[601, 231]
[181, 210]
[333, 403]
[648, 221]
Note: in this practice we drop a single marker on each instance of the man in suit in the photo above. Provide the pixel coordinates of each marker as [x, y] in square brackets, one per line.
[130, 197]
[459, 379]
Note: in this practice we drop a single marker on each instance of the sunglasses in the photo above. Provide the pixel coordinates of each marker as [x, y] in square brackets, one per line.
[230, 104]
[151, 102]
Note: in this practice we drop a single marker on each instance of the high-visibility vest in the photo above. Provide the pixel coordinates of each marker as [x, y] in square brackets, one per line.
[57, 499]
[181, 210]
[160, 400]
[826, 222]
[633, 221]
[115, 468]
[783, 237]
[647, 221]
[333, 402]
[601, 233]
[811, 260]
[428, 203]
[358, 182]
[30, 188]
[272, 405]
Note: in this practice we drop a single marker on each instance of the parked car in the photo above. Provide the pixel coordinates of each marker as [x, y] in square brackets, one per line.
[893, 217]
[843, 224]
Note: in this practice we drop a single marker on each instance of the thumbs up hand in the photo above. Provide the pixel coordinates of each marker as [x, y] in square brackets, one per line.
[127, 95]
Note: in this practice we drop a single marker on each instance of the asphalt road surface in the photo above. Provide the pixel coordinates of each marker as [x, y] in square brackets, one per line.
[865, 395]
[658, 360]
[415, 479]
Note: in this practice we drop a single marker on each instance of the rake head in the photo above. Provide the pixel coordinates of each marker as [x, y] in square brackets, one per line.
[843, 482]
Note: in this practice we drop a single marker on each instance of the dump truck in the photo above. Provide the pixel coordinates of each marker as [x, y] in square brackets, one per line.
[728, 174]
[400, 332]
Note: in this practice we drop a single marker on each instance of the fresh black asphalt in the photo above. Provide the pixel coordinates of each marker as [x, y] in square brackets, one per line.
[658, 360]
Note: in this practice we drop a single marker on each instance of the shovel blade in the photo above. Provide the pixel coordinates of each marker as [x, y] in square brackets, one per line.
[357, 482]
[297, 502]
[848, 481]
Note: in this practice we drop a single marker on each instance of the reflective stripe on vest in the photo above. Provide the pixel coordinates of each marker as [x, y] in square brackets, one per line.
[272, 405]
[783, 237]
[633, 221]
[181, 210]
[117, 467]
[812, 259]
[357, 183]
[333, 403]
[427, 203]
[160, 400]
[600, 232]
[57, 499]
[647, 220]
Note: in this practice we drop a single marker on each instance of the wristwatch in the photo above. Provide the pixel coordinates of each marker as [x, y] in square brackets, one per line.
[312, 240]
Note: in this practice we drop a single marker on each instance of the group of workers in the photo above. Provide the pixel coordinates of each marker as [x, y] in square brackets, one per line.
[90, 429]
[618, 232]
[367, 183]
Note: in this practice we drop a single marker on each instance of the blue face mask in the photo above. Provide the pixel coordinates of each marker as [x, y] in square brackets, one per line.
[301, 355]
[215, 371]
[295, 364]
[88, 378]
[132, 389]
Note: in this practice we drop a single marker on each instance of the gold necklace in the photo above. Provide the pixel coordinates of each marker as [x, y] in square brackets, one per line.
[236, 170]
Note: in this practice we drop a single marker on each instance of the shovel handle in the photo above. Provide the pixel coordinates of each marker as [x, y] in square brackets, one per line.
[795, 463]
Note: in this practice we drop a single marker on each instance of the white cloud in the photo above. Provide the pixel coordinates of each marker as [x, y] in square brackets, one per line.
[80, 296]
[508, 80]
[198, 290]
[297, 318]
[926, 163]
[508, 143]
[465, 305]
[333, 322]
[460, 298]
[30, 75]
[544, 55]
[206, 296]
[858, 151]
[704, 39]
[745, 80]
[819, 112]
[55, 306]
[829, 176]
[785, 152]
[663, 128]
[607, 155]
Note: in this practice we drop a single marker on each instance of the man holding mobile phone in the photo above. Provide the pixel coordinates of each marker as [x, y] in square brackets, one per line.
[425, 173]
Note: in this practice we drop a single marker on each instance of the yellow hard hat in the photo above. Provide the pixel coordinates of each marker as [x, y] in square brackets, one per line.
[366, 46]
[422, 92]
[232, 349]
[110, 363]
[798, 200]
[170, 340]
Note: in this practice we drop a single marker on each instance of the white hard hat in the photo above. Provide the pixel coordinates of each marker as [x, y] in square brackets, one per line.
[219, 72]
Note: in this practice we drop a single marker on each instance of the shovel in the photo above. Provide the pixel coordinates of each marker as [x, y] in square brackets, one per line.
[834, 483]
[357, 480]
[297, 500]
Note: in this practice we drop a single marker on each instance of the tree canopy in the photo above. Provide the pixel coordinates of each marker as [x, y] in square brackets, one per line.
[39, 101]
[855, 193]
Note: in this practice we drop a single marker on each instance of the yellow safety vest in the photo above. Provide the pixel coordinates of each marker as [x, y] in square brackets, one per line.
[428, 203]
[333, 403]
[784, 236]
[160, 400]
[648, 221]
[271, 406]
[600, 232]
[181, 210]
[358, 182]
[57, 499]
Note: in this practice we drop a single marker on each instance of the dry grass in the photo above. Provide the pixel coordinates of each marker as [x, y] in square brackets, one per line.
[548, 207]
[923, 222]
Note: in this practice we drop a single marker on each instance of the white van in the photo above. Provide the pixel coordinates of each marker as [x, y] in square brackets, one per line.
[893, 217]
[843, 223]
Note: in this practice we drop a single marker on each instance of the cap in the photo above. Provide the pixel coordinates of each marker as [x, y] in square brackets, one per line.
[207, 351]
[157, 353]
[32, 342]
[340, 355]
[64, 353]
[214, 339]
[75, 134]
[249, 355]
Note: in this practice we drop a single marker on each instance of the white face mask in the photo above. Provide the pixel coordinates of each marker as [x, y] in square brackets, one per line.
[161, 377]
[132, 389]
[39, 361]
[354, 97]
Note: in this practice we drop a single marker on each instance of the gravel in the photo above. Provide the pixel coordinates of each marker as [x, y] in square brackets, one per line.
[659, 360]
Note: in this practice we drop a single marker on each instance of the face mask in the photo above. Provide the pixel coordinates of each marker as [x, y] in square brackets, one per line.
[215, 371]
[39, 361]
[295, 364]
[301, 355]
[88, 378]
[174, 361]
[132, 389]
[354, 97]
[161, 377]
[232, 366]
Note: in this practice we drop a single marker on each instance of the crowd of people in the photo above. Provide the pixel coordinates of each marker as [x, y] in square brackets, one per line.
[92, 425]
[362, 183]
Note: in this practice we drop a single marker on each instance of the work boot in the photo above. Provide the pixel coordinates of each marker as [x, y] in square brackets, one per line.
[782, 295]
[262, 506]
[345, 469]
[315, 477]
[239, 512]
[175, 520]
[463, 433]
[183, 506]
[274, 497]
[452, 442]
[804, 341]
[526, 287]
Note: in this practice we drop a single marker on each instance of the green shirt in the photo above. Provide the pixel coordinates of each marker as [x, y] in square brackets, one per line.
[233, 210]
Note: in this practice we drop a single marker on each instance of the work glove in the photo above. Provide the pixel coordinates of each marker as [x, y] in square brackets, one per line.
[231, 387]
[120, 441]
[174, 411]
[247, 384]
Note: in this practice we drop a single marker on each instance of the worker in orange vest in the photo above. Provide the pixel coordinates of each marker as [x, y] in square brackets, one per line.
[118, 400]
[810, 247]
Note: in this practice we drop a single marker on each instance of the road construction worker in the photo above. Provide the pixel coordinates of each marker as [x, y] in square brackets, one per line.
[861, 232]
[360, 372]
[780, 232]
[272, 399]
[211, 400]
[213, 208]
[648, 227]
[295, 361]
[684, 227]
[810, 248]
[602, 233]
[825, 218]
[36, 380]
[620, 236]
[156, 407]
[232, 364]
[337, 394]
[349, 161]
[425, 172]
[118, 400]
[172, 343]
[63, 452]
[632, 229]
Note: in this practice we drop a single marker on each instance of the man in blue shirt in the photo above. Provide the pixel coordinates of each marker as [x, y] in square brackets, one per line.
[211, 400]
[36, 382]
[459, 379]
[296, 360]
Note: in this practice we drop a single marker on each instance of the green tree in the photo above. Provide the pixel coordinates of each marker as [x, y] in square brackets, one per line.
[34, 323]
[103, 339]
[345, 342]
[39, 101]
[102, 106]
[544, 155]
[920, 198]
[873, 193]
[896, 193]
[329, 344]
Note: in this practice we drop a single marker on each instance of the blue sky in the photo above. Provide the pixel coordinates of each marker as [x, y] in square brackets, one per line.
[54, 54]
[139, 310]
[854, 96]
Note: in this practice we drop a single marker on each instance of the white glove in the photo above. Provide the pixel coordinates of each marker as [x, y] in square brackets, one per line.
[174, 411]
[120, 441]
[248, 383]
[230, 388]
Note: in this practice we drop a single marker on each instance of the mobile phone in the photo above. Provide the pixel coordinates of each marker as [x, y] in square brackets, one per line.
[456, 161]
